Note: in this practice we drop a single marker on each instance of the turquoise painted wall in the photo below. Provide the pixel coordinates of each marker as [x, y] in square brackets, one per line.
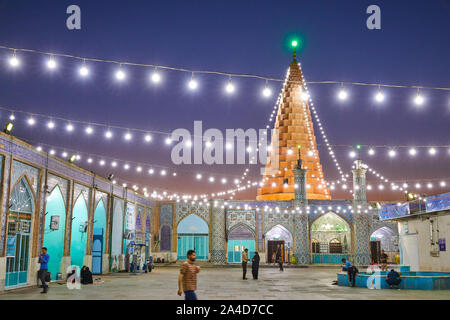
[78, 238]
[54, 239]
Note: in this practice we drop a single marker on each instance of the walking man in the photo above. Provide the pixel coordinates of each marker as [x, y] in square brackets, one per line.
[42, 273]
[244, 264]
[187, 280]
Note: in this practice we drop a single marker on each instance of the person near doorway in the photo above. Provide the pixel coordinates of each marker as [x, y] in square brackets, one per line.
[383, 260]
[187, 280]
[393, 279]
[279, 258]
[351, 271]
[244, 264]
[255, 266]
[274, 258]
[43, 269]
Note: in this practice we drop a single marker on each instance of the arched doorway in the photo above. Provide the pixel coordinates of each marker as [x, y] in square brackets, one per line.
[193, 234]
[279, 243]
[19, 233]
[54, 230]
[332, 235]
[239, 239]
[383, 238]
[78, 239]
[98, 238]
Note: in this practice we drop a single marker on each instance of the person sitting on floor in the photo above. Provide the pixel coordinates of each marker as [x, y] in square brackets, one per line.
[393, 278]
[86, 276]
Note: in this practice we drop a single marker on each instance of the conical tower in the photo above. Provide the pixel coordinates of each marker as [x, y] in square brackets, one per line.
[295, 139]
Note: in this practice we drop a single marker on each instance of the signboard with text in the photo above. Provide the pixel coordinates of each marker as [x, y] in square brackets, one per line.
[389, 211]
[439, 202]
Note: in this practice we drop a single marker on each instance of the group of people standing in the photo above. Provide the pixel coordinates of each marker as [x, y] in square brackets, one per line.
[255, 265]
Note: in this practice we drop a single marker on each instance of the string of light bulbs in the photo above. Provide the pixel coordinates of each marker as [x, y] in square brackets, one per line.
[155, 77]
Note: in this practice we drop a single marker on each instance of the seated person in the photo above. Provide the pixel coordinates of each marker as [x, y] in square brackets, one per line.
[351, 271]
[86, 276]
[393, 279]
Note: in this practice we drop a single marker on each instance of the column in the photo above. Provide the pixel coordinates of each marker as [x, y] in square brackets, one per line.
[361, 216]
[217, 231]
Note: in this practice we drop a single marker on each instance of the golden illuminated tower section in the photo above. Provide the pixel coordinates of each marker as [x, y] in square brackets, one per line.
[295, 128]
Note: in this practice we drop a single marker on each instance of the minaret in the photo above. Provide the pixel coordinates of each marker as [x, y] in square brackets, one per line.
[301, 224]
[361, 216]
[295, 129]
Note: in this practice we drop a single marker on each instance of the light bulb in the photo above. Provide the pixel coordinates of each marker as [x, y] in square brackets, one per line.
[51, 125]
[412, 152]
[192, 83]
[371, 152]
[229, 87]
[128, 136]
[12, 117]
[89, 160]
[84, 71]
[39, 148]
[418, 100]
[163, 172]
[168, 141]
[52, 152]
[51, 64]
[89, 130]
[432, 151]
[198, 176]
[108, 134]
[352, 154]
[342, 95]
[148, 138]
[120, 75]
[266, 92]
[156, 77]
[304, 95]
[151, 171]
[31, 121]
[14, 61]
[392, 153]
[126, 166]
[379, 97]
[69, 127]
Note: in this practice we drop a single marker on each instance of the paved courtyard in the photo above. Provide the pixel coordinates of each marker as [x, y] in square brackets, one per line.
[224, 284]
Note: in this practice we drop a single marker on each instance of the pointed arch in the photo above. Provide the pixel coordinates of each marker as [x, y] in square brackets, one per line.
[26, 183]
[85, 197]
[244, 225]
[78, 235]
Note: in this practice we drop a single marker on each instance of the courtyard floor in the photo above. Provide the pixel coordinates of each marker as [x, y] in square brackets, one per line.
[223, 284]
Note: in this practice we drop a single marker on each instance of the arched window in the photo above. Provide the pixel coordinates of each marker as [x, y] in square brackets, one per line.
[315, 246]
[335, 246]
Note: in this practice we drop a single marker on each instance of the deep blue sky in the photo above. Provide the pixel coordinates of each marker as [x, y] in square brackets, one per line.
[412, 48]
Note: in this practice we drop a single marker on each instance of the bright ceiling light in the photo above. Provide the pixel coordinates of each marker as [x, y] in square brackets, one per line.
[89, 130]
[192, 84]
[412, 152]
[31, 121]
[267, 92]
[304, 96]
[148, 138]
[432, 151]
[128, 136]
[50, 124]
[84, 71]
[392, 153]
[371, 152]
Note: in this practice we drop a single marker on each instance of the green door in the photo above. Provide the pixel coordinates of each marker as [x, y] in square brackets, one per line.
[197, 242]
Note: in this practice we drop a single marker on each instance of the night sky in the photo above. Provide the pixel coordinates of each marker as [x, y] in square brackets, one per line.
[412, 48]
